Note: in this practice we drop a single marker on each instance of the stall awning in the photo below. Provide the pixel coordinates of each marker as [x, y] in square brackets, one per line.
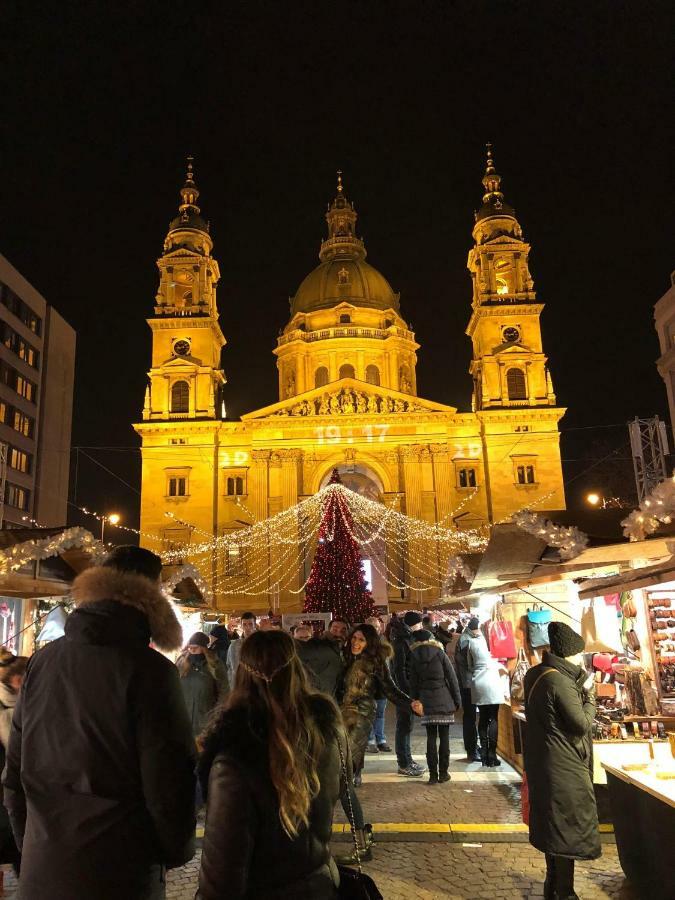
[632, 580]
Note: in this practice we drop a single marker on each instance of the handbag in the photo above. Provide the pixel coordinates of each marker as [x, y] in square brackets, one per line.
[501, 641]
[354, 883]
[518, 678]
[537, 626]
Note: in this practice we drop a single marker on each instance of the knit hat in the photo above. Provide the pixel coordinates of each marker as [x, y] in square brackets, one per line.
[423, 635]
[564, 641]
[199, 639]
[474, 624]
[135, 560]
[412, 618]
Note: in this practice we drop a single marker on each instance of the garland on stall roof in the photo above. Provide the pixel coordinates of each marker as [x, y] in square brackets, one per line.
[457, 565]
[19, 555]
[569, 540]
[188, 571]
[656, 509]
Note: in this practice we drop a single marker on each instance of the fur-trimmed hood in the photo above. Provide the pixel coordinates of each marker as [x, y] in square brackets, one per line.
[128, 589]
[430, 643]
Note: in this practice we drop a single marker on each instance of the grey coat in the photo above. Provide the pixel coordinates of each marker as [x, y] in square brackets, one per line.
[486, 683]
[461, 658]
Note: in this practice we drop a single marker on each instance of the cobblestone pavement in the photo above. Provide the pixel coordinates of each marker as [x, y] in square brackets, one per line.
[421, 864]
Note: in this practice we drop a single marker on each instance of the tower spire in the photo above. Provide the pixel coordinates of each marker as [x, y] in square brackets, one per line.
[341, 218]
[189, 192]
[493, 198]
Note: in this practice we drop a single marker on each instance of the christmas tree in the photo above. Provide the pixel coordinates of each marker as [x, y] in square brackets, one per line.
[337, 582]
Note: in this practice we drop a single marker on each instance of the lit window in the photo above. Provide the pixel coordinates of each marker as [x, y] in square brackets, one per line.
[234, 562]
[16, 496]
[19, 460]
[502, 286]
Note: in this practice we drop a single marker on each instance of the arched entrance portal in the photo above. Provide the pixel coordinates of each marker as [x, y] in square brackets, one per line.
[364, 481]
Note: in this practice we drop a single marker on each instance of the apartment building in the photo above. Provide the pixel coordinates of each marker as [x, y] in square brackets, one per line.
[37, 370]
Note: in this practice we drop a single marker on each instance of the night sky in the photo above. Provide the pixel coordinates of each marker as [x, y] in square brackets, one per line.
[102, 102]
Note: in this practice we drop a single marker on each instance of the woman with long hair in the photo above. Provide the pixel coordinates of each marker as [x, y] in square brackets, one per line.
[271, 773]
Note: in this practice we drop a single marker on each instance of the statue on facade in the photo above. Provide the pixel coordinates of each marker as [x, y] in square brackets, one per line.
[324, 407]
[361, 402]
[334, 404]
[347, 403]
[372, 404]
[290, 385]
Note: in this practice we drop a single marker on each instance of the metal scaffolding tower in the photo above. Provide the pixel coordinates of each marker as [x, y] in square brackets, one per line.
[649, 447]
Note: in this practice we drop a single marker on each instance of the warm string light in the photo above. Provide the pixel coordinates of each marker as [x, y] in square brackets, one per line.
[657, 508]
[569, 540]
[15, 557]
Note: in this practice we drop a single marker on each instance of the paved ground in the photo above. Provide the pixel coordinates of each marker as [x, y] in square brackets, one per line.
[460, 841]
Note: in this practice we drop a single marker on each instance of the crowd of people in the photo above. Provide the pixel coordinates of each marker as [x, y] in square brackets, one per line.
[112, 749]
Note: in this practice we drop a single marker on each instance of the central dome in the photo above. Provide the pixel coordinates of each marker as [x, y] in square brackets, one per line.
[343, 276]
[344, 280]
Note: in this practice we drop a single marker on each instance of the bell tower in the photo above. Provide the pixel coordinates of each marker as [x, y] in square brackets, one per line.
[186, 380]
[513, 394]
[509, 366]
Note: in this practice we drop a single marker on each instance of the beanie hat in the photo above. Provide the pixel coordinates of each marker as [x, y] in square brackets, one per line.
[563, 640]
[199, 638]
[412, 618]
[423, 635]
[473, 623]
[135, 560]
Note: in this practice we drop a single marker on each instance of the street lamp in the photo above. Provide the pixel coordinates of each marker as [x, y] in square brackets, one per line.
[113, 518]
[593, 499]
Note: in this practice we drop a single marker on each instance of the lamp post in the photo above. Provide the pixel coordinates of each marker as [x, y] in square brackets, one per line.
[113, 518]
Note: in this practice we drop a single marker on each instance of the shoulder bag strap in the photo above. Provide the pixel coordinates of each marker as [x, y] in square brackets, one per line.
[352, 821]
[539, 677]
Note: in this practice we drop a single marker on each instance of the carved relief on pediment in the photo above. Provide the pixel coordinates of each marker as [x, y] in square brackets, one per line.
[349, 402]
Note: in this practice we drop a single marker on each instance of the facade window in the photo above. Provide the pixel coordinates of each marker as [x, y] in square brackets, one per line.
[177, 441]
[180, 397]
[347, 371]
[21, 347]
[21, 423]
[177, 486]
[321, 377]
[466, 477]
[25, 388]
[515, 384]
[234, 561]
[372, 375]
[236, 485]
[16, 496]
[19, 460]
[345, 319]
[526, 474]
[20, 309]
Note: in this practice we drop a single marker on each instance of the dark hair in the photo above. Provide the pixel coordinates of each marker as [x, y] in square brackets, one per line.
[373, 641]
[338, 619]
[272, 686]
[249, 615]
[11, 665]
[136, 560]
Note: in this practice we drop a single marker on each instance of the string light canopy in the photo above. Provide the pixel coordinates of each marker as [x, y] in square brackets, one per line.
[409, 553]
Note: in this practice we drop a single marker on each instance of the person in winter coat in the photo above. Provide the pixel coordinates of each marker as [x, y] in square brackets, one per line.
[469, 709]
[12, 673]
[322, 659]
[99, 782]
[203, 679]
[487, 693]
[249, 624]
[560, 709]
[434, 683]
[401, 633]
[272, 774]
[220, 642]
[377, 742]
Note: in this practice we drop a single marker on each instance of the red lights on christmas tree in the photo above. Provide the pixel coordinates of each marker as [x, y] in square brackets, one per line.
[337, 582]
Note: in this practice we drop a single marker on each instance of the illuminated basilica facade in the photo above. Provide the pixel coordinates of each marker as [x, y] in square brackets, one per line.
[347, 398]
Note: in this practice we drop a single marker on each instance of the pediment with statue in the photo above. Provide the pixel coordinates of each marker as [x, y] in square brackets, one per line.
[349, 397]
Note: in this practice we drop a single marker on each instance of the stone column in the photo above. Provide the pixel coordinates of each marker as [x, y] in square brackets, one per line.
[412, 482]
[259, 491]
[290, 461]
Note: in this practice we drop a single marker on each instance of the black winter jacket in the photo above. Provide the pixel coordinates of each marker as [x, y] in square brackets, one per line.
[433, 679]
[99, 781]
[322, 659]
[559, 762]
[401, 637]
[246, 853]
